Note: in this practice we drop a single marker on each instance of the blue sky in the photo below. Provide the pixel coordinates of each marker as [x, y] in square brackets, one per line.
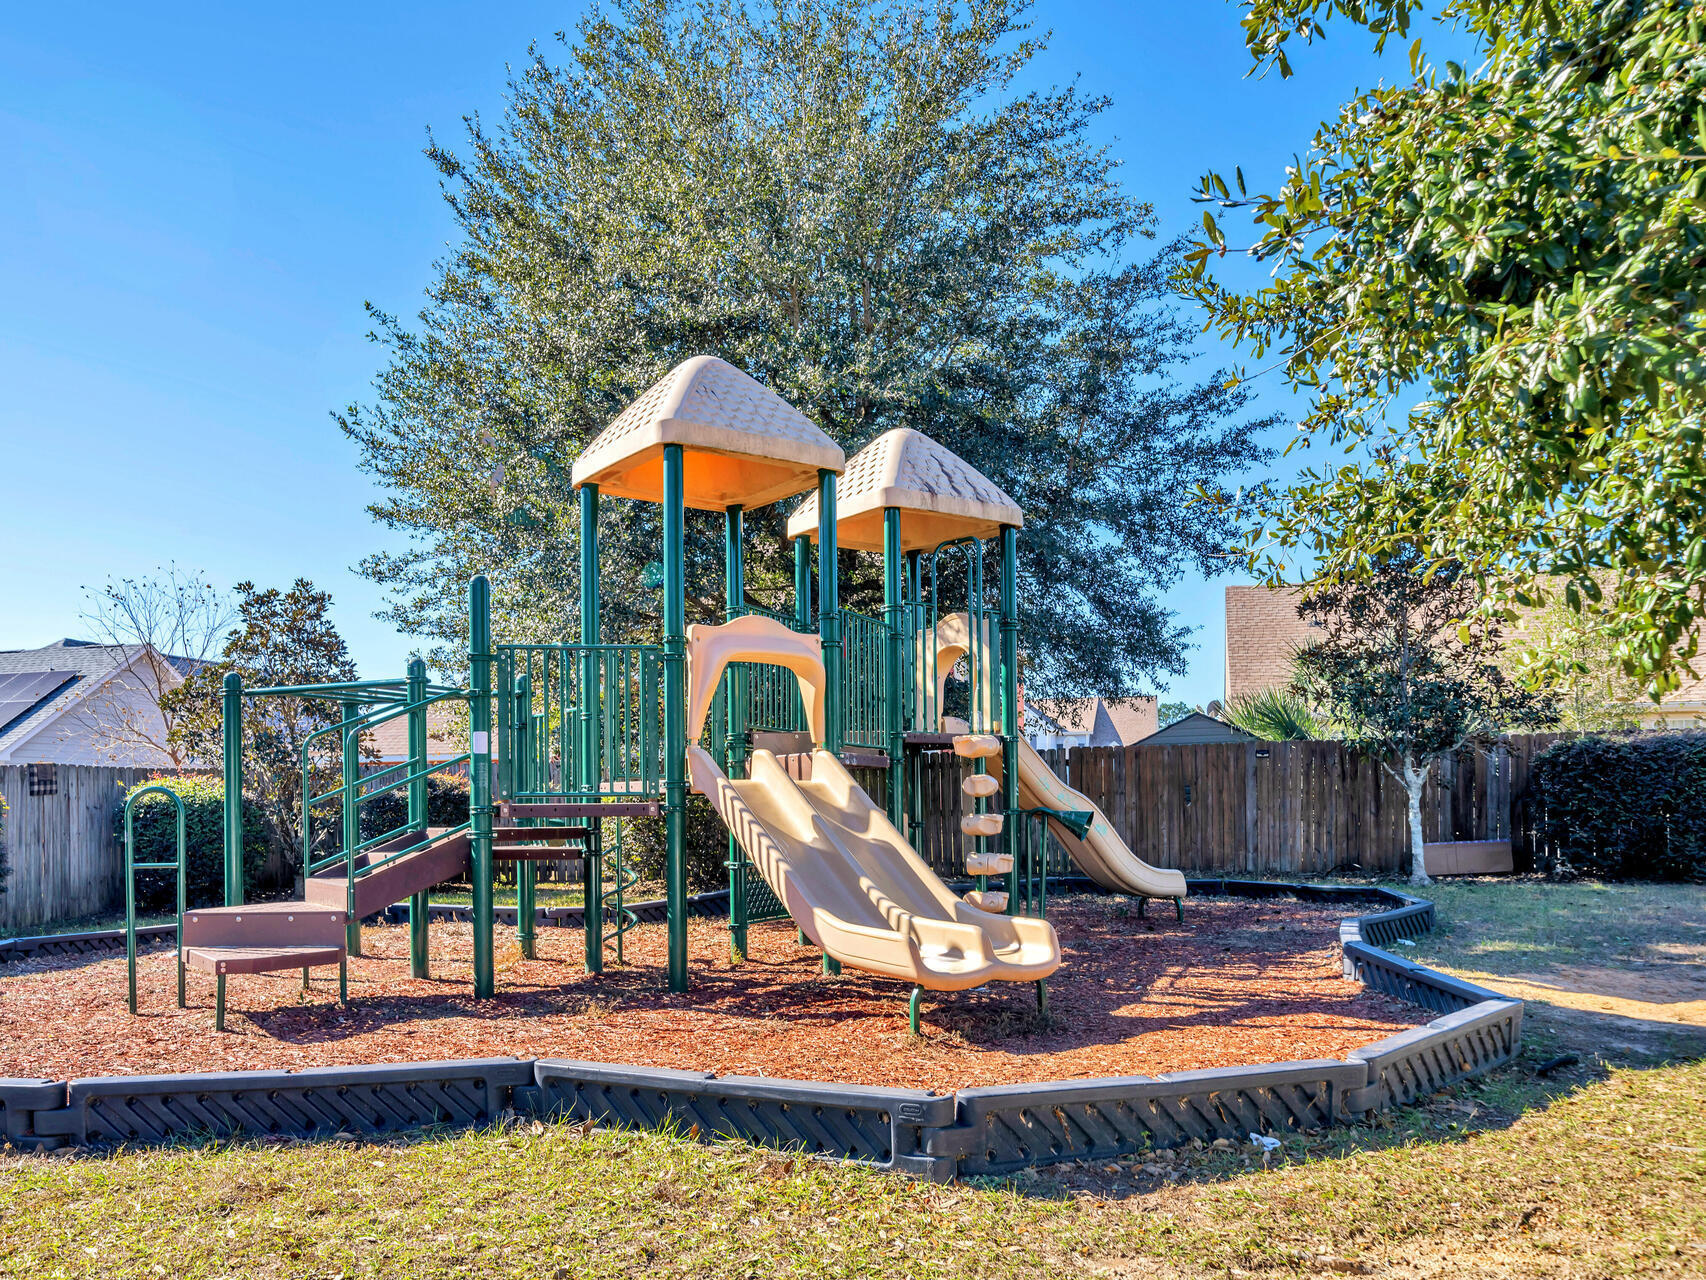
[200, 198]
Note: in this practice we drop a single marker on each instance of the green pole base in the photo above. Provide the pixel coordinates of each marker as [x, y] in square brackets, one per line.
[420, 917]
[1179, 906]
[800, 937]
[1141, 904]
[1042, 998]
[831, 967]
[352, 937]
[306, 983]
[912, 1004]
[181, 1003]
[219, 1003]
[343, 980]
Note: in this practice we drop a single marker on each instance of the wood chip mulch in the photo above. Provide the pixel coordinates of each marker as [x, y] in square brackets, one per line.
[1239, 982]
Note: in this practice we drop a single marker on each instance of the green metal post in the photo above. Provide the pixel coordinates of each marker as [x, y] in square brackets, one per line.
[480, 777]
[734, 597]
[894, 613]
[419, 905]
[351, 738]
[526, 740]
[919, 664]
[592, 869]
[179, 868]
[675, 711]
[1010, 707]
[233, 713]
[803, 583]
[829, 610]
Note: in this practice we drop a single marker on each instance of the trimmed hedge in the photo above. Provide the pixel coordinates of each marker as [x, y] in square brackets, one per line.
[707, 847]
[447, 806]
[1624, 808]
[204, 838]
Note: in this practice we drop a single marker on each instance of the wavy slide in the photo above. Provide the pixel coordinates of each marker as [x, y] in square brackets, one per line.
[855, 886]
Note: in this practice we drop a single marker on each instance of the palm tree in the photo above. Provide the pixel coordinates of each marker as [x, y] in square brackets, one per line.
[1276, 715]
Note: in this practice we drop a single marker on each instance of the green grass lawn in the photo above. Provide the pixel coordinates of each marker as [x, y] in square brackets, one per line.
[1597, 1169]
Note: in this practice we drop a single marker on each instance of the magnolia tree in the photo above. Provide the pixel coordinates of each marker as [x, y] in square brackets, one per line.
[1401, 674]
[281, 638]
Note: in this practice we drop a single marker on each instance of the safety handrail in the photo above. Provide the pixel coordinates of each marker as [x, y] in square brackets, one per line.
[360, 724]
[132, 866]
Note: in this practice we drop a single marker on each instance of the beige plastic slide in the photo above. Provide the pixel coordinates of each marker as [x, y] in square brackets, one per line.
[1101, 854]
[846, 876]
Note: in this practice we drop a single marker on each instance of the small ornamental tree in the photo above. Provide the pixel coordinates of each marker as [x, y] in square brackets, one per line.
[1405, 669]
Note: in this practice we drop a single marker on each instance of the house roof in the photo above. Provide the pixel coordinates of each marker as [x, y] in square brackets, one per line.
[940, 497]
[447, 724]
[1103, 722]
[742, 444]
[88, 665]
[1196, 729]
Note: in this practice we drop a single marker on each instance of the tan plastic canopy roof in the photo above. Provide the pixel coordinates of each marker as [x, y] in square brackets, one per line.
[742, 444]
[940, 495]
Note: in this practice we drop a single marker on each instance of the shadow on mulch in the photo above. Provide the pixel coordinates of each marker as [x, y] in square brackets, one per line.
[1237, 982]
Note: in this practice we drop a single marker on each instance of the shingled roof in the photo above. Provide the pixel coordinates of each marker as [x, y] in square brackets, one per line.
[742, 444]
[940, 495]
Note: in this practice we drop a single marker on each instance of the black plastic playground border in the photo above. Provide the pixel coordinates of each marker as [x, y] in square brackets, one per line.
[936, 1136]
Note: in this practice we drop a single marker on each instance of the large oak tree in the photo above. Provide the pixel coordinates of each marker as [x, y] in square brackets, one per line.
[853, 202]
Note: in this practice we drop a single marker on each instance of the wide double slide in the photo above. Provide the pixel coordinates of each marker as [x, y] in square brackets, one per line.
[848, 878]
[1100, 853]
[855, 886]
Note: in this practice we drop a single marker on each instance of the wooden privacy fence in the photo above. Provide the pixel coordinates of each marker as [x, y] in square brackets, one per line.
[64, 858]
[1265, 808]
[1300, 808]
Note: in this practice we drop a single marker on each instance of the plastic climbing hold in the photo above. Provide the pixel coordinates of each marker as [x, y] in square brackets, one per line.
[980, 784]
[988, 864]
[981, 824]
[977, 746]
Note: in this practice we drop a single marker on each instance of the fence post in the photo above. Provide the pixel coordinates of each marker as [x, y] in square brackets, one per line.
[419, 906]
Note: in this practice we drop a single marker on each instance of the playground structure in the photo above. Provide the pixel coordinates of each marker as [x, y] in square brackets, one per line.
[761, 714]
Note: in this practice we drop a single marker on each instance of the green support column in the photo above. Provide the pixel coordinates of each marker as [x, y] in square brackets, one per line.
[675, 711]
[592, 869]
[894, 615]
[233, 728]
[802, 584]
[351, 739]
[829, 610]
[525, 744]
[480, 777]
[419, 905]
[829, 629]
[734, 598]
[915, 622]
[1010, 706]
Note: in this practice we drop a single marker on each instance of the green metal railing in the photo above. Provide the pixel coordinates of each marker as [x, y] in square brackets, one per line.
[132, 866]
[597, 723]
[357, 789]
[864, 695]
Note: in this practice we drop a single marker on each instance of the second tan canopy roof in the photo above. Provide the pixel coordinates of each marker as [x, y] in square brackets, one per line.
[940, 495]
